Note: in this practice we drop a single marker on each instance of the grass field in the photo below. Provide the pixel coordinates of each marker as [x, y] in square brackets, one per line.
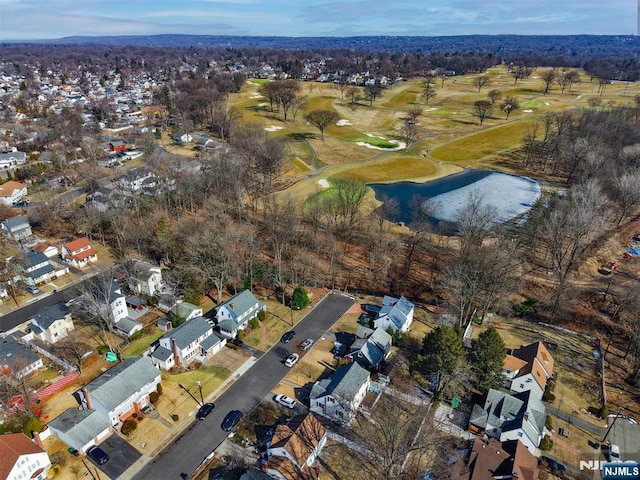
[138, 346]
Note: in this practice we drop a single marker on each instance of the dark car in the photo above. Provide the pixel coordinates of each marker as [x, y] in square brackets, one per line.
[553, 464]
[98, 455]
[237, 342]
[204, 410]
[231, 420]
[288, 336]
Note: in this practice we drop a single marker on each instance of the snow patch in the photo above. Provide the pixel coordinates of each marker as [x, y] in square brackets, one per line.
[508, 194]
[527, 111]
[547, 103]
[324, 183]
[273, 128]
[343, 122]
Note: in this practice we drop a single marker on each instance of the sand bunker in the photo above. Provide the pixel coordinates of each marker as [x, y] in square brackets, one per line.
[527, 111]
[343, 122]
[400, 145]
[323, 183]
[273, 128]
[256, 95]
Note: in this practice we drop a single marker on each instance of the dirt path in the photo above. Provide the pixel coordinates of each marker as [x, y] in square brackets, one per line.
[263, 333]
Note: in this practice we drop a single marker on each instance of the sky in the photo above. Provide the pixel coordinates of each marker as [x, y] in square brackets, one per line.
[50, 19]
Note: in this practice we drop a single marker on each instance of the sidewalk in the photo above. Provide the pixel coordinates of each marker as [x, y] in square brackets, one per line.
[168, 438]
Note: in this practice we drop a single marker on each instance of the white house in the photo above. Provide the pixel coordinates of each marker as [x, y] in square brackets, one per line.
[12, 159]
[192, 339]
[340, 396]
[43, 247]
[528, 368]
[293, 448]
[52, 324]
[186, 310]
[17, 227]
[144, 278]
[122, 390]
[22, 459]
[370, 348]
[396, 313]
[79, 253]
[12, 192]
[510, 417]
[138, 178]
[183, 138]
[235, 313]
[17, 359]
[38, 269]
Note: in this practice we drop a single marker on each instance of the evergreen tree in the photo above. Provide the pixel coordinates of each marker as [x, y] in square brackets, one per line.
[487, 358]
[441, 359]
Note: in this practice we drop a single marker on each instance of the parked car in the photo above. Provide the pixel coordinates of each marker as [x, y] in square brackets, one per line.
[204, 410]
[98, 455]
[285, 401]
[288, 336]
[231, 420]
[237, 342]
[614, 454]
[32, 289]
[291, 360]
[306, 345]
[553, 464]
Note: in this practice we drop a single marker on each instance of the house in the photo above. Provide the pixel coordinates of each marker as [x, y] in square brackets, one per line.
[17, 359]
[80, 429]
[38, 269]
[184, 343]
[510, 417]
[370, 348]
[293, 448]
[182, 138]
[122, 390]
[138, 179]
[12, 192]
[79, 253]
[340, 396]
[52, 323]
[117, 146]
[186, 310]
[17, 227]
[528, 368]
[492, 460]
[22, 458]
[235, 313]
[396, 313]
[144, 278]
[12, 159]
[43, 247]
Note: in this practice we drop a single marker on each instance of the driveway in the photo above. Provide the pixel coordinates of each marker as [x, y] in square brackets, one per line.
[185, 453]
[121, 456]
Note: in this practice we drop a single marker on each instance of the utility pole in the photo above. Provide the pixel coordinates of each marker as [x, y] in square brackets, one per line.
[200, 388]
[612, 424]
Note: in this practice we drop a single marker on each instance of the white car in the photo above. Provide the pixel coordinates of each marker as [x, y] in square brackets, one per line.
[285, 401]
[291, 360]
[306, 345]
[614, 454]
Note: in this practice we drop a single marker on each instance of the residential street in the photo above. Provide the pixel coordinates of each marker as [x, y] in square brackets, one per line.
[182, 456]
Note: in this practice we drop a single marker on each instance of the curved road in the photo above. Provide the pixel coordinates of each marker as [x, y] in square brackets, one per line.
[184, 454]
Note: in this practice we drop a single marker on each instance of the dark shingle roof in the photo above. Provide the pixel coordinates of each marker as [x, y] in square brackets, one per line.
[45, 316]
[343, 384]
[188, 332]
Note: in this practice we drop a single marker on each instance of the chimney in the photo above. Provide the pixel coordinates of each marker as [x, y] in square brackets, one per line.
[231, 306]
[176, 356]
[87, 398]
[526, 416]
[38, 440]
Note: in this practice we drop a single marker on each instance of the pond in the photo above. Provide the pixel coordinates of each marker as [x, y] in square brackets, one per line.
[510, 195]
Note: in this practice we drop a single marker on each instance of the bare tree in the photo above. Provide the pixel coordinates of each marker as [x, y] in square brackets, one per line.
[474, 223]
[373, 91]
[288, 91]
[566, 79]
[548, 77]
[429, 90]
[481, 81]
[409, 132]
[482, 109]
[509, 105]
[321, 119]
[73, 350]
[494, 95]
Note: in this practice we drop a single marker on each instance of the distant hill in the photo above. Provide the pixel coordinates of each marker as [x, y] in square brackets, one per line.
[582, 46]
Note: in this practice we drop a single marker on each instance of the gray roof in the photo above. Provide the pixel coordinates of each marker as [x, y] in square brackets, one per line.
[370, 352]
[210, 342]
[18, 221]
[397, 309]
[45, 316]
[185, 309]
[188, 332]
[80, 425]
[38, 272]
[127, 324]
[343, 384]
[141, 269]
[120, 382]
[162, 354]
[16, 355]
[242, 302]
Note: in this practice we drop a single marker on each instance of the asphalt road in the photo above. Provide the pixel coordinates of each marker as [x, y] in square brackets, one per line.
[186, 452]
[24, 313]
